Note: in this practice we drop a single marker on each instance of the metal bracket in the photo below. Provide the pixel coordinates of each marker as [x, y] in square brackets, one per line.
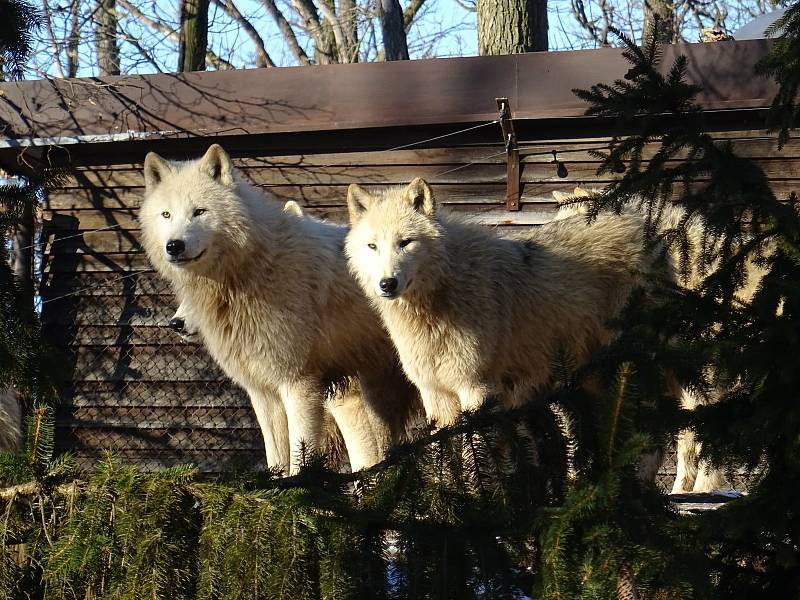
[512, 155]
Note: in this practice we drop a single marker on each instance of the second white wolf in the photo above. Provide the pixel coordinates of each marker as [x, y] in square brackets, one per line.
[474, 314]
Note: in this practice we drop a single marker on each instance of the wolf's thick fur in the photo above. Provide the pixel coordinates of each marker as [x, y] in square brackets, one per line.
[692, 474]
[476, 314]
[276, 307]
[10, 420]
[180, 321]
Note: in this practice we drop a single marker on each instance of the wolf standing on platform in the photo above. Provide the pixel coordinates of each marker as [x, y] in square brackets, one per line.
[474, 314]
[271, 296]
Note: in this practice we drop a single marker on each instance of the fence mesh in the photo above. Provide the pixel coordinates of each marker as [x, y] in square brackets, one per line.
[137, 388]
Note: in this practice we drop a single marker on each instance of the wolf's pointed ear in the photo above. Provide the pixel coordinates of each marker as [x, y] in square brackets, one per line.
[358, 201]
[218, 165]
[419, 195]
[155, 170]
[293, 208]
[560, 196]
[581, 192]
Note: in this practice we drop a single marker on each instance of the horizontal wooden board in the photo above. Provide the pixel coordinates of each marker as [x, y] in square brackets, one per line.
[143, 363]
[174, 395]
[489, 167]
[125, 264]
[133, 438]
[156, 417]
[108, 201]
[754, 144]
[219, 460]
[104, 284]
[108, 249]
[113, 334]
[134, 310]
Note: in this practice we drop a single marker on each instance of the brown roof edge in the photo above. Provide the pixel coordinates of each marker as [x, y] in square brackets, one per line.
[328, 98]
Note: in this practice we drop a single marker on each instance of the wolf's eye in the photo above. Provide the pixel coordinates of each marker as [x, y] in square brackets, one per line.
[372, 246]
[165, 214]
[404, 243]
[199, 211]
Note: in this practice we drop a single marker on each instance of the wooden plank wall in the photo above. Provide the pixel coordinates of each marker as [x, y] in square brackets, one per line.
[133, 386]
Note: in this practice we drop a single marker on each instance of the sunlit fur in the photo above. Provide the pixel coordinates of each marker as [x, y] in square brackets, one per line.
[189, 332]
[277, 309]
[692, 473]
[480, 314]
[10, 420]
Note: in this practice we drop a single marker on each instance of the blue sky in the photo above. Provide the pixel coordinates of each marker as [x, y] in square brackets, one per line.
[444, 28]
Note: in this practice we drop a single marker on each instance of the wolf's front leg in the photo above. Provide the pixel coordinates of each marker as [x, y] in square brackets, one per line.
[686, 467]
[271, 416]
[304, 401]
[472, 397]
[350, 413]
[441, 407]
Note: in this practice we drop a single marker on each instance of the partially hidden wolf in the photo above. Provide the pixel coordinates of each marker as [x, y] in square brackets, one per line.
[475, 314]
[275, 305]
[692, 474]
[10, 420]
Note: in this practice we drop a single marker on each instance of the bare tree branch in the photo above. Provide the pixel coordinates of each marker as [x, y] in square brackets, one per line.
[211, 58]
[286, 30]
[142, 51]
[48, 21]
[410, 13]
[333, 21]
[263, 58]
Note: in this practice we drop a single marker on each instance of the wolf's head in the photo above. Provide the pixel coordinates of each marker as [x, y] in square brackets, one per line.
[394, 236]
[192, 217]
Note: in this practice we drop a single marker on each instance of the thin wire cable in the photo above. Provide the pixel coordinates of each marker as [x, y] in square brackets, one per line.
[474, 162]
[95, 286]
[67, 237]
[440, 137]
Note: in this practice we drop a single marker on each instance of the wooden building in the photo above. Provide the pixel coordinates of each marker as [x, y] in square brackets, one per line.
[305, 133]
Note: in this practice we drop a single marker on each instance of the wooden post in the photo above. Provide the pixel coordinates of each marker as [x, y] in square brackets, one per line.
[512, 155]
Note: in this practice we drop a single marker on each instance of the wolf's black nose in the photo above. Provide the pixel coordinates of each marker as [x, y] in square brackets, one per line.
[175, 247]
[388, 284]
[177, 324]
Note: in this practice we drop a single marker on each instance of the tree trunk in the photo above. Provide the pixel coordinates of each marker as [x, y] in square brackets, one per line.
[74, 39]
[194, 35]
[393, 30]
[511, 26]
[665, 12]
[348, 11]
[106, 37]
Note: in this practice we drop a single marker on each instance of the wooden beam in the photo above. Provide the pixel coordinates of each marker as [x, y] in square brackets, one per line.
[332, 98]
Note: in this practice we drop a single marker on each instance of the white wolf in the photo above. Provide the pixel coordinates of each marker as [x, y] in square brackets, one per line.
[474, 314]
[272, 298]
[692, 474]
